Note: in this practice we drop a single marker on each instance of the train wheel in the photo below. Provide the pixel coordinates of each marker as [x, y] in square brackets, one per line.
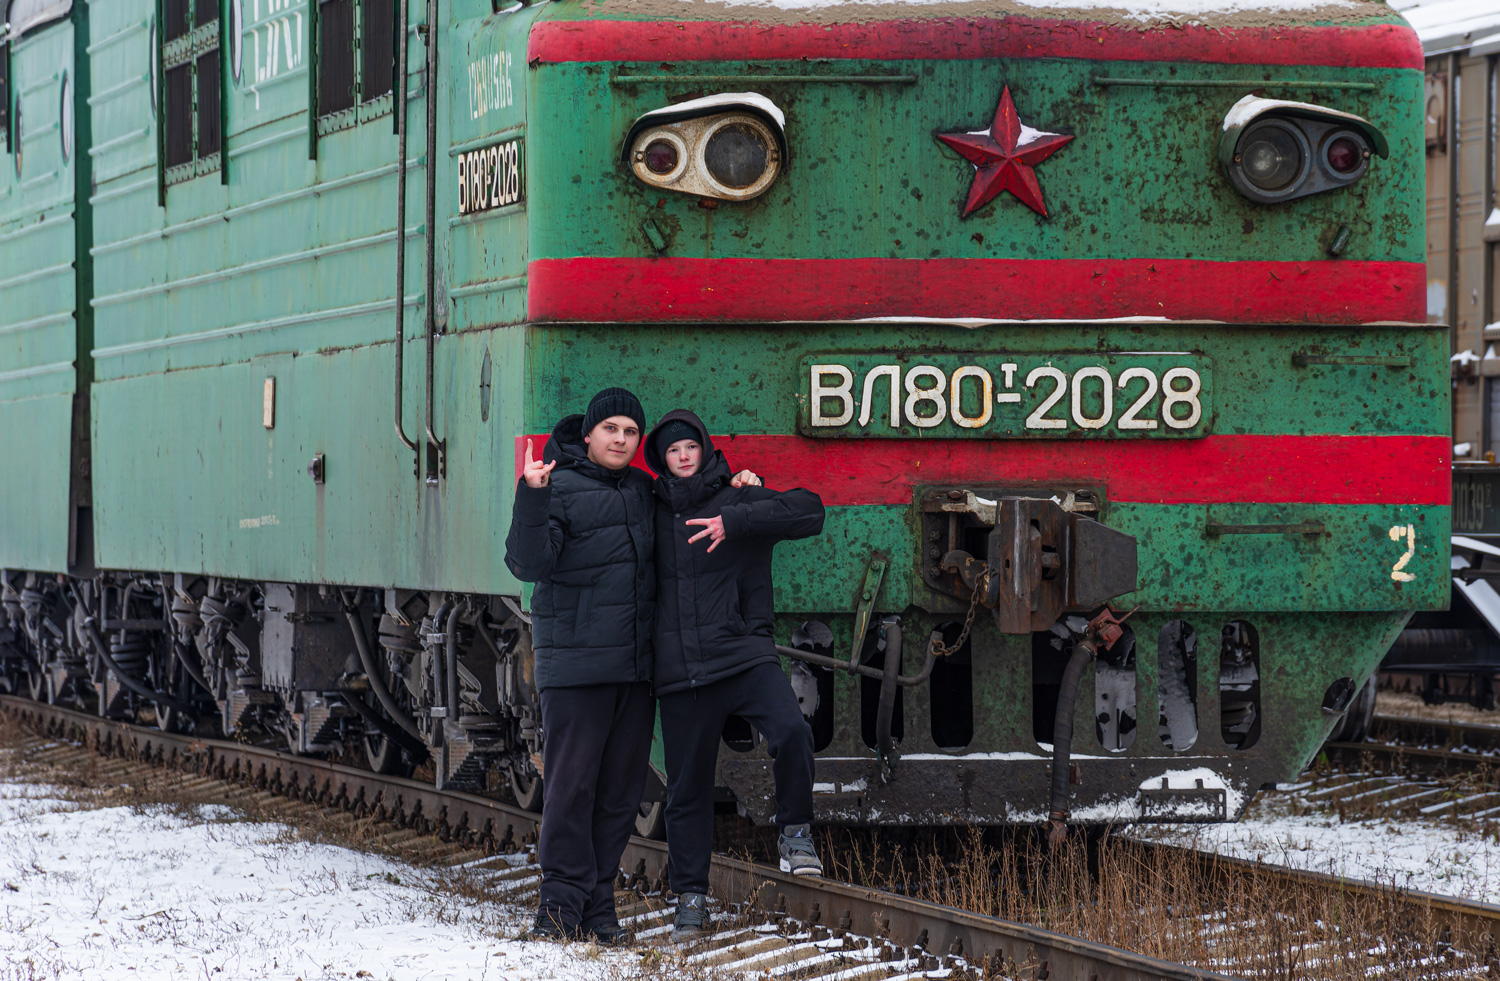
[383, 755]
[178, 685]
[1361, 714]
[1355, 725]
[651, 820]
[526, 788]
[37, 688]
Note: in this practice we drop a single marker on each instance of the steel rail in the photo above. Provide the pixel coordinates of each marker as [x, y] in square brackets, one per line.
[1415, 759]
[1465, 918]
[921, 928]
[1403, 736]
[1408, 728]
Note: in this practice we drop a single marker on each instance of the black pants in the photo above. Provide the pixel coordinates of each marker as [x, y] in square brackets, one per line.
[692, 723]
[597, 742]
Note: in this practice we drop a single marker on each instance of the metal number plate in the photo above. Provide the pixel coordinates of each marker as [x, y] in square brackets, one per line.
[490, 177]
[1006, 395]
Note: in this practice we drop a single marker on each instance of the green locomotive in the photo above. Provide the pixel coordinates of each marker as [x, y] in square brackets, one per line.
[1058, 306]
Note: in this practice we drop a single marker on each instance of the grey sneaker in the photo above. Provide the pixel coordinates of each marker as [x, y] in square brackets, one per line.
[692, 917]
[798, 856]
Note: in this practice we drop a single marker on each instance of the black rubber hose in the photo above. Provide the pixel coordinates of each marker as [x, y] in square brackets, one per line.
[138, 687]
[1062, 737]
[141, 689]
[389, 729]
[377, 680]
[181, 651]
[888, 689]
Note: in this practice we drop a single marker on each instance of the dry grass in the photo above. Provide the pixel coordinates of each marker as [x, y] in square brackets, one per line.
[1405, 698]
[1167, 904]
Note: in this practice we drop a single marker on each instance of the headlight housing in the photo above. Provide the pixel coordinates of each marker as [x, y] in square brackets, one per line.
[1275, 151]
[730, 147]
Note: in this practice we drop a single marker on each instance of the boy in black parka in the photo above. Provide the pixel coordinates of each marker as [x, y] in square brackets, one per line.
[715, 651]
[582, 530]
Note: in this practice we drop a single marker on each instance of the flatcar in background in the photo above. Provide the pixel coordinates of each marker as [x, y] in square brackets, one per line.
[1100, 332]
[1455, 655]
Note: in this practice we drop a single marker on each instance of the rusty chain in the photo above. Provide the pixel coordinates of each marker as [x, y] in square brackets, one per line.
[939, 649]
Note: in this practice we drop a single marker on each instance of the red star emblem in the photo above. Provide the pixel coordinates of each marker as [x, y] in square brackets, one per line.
[1003, 158]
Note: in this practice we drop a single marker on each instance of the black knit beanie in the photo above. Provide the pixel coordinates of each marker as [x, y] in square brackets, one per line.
[613, 402]
[666, 435]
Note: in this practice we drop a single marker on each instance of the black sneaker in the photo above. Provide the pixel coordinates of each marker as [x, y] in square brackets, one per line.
[798, 856]
[692, 917]
[607, 932]
[547, 927]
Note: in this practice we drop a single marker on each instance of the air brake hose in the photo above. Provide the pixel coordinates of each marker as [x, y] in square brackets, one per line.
[1062, 738]
[187, 665]
[389, 729]
[377, 679]
[143, 690]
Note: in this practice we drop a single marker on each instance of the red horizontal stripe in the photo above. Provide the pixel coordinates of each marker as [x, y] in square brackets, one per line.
[1213, 470]
[609, 289]
[1366, 46]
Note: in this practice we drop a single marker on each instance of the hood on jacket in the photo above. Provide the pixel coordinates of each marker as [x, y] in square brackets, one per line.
[566, 446]
[655, 457]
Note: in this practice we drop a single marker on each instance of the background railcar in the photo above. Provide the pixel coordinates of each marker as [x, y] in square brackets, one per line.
[1455, 655]
[328, 265]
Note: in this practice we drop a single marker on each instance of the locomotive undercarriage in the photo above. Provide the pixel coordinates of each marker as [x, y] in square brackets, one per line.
[408, 680]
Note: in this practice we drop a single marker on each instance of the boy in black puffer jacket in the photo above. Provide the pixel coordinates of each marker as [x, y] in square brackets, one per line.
[582, 530]
[715, 652]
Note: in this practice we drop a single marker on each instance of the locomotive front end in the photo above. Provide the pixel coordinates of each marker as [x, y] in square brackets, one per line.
[1101, 338]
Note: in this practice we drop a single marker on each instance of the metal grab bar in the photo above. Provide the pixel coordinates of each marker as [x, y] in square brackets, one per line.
[1300, 528]
[436, 448]
[401, 43]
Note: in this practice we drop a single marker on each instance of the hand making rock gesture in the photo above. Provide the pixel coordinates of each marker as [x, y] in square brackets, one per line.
[537, 473]
[712, 527]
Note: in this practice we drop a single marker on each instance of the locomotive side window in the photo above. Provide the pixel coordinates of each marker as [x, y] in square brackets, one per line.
[377, 49]
[192, 113]
[356, 55]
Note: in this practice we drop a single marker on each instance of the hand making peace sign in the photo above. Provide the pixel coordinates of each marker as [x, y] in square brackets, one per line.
[537, 473]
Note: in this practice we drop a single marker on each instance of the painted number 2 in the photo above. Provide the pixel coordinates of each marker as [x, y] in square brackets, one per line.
[1408, 532]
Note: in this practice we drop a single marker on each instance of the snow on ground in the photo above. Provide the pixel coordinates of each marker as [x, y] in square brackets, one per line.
[120, 893]
[1282, 827]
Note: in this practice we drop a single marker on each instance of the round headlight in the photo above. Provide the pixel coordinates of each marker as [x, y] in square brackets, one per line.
[731, 156]
[736, 155]
[1272, 156]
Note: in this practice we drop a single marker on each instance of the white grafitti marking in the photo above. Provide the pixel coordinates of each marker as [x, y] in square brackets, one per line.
[1410, 533]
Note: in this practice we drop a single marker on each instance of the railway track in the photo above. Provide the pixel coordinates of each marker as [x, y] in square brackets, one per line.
[1413, 767]
[809, 929]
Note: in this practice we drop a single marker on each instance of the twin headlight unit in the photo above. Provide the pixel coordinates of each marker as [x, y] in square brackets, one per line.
[1275, 151]
[728, 147]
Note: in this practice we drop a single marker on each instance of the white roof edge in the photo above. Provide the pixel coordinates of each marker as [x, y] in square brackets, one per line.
[753, 99]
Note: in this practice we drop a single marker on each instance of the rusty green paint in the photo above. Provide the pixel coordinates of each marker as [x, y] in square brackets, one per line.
[853, 189]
